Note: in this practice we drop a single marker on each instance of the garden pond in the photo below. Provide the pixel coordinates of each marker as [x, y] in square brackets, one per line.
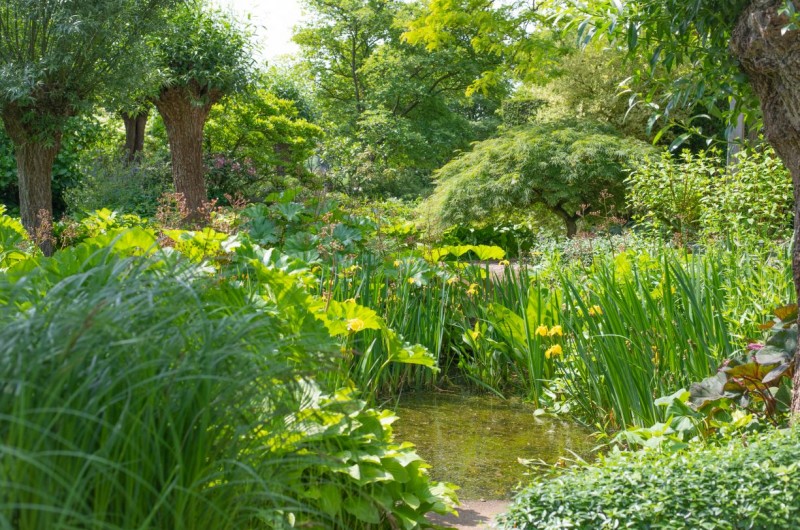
[476, 442]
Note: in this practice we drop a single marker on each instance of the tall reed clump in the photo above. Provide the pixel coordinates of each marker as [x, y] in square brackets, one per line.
[414, 298]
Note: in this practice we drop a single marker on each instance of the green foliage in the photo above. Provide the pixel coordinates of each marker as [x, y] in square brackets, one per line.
[396, 307]
[119, 422]
[521, 110]
[599, 84]
[59, 56]
[751, 483]
[758, 382]
[14, 245]
[204, 50]
[481, 325]
[257, 142]
[496, 30]
[393, 111]
[697, 194]
[690, 38]
[516, 232]
[754, 198]
[109, 182]
[363, 479]
[669, 195]
[564, 166]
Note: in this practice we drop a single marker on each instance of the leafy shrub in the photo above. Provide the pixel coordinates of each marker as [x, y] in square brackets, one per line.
[696, 194]
[667, 194]
[752, 483]
[757, 199]
[14, 244]
[255, 142]
[515, 232]
[70, 231]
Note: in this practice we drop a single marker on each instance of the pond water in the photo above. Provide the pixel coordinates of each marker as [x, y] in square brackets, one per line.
[475, 441]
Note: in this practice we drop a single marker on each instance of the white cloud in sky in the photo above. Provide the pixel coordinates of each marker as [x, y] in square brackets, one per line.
[272, 20]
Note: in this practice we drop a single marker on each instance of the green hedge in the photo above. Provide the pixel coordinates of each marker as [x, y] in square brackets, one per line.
[753, 483]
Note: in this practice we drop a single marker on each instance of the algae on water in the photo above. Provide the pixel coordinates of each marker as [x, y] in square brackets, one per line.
[475, 441]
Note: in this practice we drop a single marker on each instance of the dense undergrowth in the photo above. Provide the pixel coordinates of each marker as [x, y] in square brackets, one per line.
[245, 356]
[751, 482]
[144, 387]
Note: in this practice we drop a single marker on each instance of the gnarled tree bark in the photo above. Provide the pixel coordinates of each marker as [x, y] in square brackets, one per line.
[184, 118]
[770, 57]
[35, 158]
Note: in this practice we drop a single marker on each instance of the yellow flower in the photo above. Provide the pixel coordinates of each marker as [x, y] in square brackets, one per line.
[452, 280]
[555, 330]
[554, 351]
[396, 263]
[350, 300]
[474, 334]
[505, 263]
[595, 310]
[355, 325]
[541, 331]
[412, 281]
[473, 289]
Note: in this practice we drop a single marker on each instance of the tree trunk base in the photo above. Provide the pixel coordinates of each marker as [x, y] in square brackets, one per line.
[184, 121]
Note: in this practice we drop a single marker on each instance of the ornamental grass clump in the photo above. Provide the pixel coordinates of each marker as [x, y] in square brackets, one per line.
[127, 397]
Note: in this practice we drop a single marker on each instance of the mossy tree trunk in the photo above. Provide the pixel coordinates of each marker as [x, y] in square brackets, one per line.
[135, 125]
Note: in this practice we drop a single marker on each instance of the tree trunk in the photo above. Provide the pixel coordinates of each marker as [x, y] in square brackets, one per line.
[184, 120]
[135, 125]
[570, 221]
[35, 160]
[572, 226]
[771, 59]
[282, 154]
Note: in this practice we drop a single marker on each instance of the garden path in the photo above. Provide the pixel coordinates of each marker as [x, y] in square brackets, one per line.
[473, 515]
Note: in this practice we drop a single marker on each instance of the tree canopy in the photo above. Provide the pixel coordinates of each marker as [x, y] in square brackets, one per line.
[571, 168]
[394, 108]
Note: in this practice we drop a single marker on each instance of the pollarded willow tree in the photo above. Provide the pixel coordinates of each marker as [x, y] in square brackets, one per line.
[56, 57]
[201, 56]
